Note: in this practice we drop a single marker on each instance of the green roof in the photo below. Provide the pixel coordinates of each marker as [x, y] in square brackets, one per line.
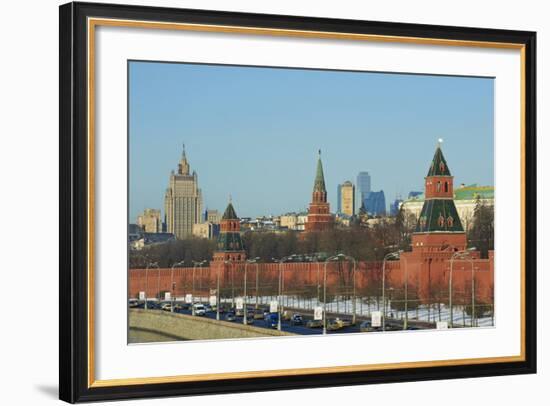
[439, 215]
[230, 213]
[319, 185]
[230, 241]
[439, 166]
[470, 192]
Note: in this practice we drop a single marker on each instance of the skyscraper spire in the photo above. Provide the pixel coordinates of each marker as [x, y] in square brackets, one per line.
[183, 152]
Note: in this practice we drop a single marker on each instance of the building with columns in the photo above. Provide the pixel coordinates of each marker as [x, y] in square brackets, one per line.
[182, 201]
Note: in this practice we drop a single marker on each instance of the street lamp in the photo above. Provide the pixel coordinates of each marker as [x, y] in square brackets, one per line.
[149, 265]
[464, 255]
[177, 264]
[249, 261]
[391, 255]
[230, 262]
[218, 295]
[279, 304]
[332, 258]
[195, 264]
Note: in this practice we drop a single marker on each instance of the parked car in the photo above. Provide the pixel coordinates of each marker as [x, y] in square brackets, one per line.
[272, 320]
[286, 316]
[239, 312]
[249, 320]
[199, 309]
[207, 308]
[133, 303]
[334, 324]
[346, 322]
[259, 314]
[296, 319]
[314, 323]
[230, 316]
[166, 307]
[366, 327]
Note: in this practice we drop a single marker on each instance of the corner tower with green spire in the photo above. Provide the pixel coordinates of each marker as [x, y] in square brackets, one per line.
[230, 246]
[439, 224]
[319, 217]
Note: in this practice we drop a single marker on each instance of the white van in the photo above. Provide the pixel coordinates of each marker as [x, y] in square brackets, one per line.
[199, 308]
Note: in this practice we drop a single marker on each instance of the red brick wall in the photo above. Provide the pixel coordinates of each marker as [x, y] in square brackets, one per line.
[428, 279]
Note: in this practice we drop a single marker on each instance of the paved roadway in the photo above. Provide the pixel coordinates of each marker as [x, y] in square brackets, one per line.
[303, 330]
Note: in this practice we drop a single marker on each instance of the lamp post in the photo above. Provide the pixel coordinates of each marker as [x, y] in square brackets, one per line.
[281, 281]
[172, 291]
[406, 321]
[257, 282]
[332, 258]
[149, 265]
[391, 255]
[230, 262]
[195, 264]
[218, 294]
[248, 261]
[464, 255]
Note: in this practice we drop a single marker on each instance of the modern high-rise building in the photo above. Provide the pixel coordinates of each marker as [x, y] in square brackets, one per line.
[375, 203]
[182, 201]
[362, 188]
[346, 198]
[149, 221]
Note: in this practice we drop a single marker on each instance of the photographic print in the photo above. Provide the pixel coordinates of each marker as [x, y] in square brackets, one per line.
[270, 202]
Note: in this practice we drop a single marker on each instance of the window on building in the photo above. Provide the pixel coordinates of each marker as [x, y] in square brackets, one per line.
[446, 187]
[438, 187]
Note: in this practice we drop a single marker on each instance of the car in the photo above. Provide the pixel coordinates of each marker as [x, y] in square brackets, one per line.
[334, 324]
[199, 309]
[230, 316]
[409, 327]
[347, 322]
[249, 320]
[258, 314]
[207, 308]
[239, 313]
[314, 323]
[286, 315]
[272, 320]
[132, 303]
[296, 319]
[153, 305]
[166, 307]
[366, 327]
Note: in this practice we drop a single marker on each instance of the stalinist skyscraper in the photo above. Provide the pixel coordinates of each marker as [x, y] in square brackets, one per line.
[183, 201]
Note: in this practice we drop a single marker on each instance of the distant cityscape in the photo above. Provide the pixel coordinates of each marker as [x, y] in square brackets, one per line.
[184, 215]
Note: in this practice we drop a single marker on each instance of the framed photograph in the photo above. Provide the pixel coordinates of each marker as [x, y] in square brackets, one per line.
[256, 202]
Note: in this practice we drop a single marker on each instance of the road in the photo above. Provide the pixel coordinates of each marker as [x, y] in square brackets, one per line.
[391, 324]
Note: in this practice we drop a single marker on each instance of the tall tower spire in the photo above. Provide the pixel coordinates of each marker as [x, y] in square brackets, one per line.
[183, 166]
[319, 217]
[319, 184]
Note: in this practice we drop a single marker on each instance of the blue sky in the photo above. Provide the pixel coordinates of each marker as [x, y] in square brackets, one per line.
[253, 132]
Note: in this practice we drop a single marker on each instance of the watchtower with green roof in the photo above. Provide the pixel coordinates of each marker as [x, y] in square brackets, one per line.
[439, 216]
[319, 217]
[230, 246]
